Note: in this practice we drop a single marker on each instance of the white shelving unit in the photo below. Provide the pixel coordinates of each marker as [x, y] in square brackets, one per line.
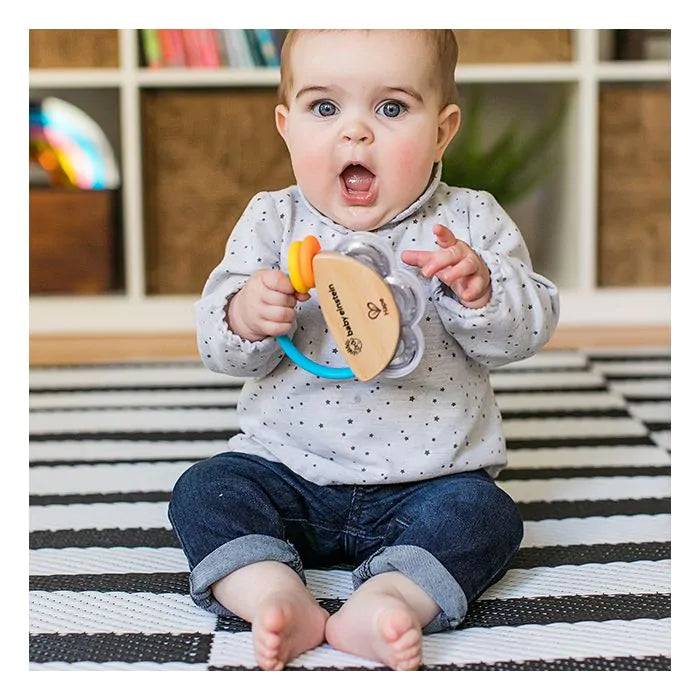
[583, 303]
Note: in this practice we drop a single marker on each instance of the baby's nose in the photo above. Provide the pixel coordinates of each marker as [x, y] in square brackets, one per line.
[357, 131]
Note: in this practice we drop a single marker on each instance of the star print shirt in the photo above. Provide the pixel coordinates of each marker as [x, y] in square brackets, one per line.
[440, 419]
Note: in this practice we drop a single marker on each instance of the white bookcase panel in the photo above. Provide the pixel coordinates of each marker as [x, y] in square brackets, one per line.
[569, 201]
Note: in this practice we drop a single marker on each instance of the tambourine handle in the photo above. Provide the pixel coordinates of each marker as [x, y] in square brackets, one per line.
[301, 275]
[310, 366]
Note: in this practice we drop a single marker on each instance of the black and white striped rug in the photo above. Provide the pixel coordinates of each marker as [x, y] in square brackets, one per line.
[588, 436]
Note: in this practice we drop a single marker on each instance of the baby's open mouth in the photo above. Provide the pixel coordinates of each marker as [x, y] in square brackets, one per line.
[358, 184]
[357, 178]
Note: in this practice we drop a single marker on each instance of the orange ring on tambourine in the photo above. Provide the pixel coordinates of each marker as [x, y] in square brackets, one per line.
[309, 247]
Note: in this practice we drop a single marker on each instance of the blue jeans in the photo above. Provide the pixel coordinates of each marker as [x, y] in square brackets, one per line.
[453, 535]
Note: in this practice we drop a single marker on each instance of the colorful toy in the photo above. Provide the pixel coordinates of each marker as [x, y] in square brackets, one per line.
[372, 309]
[70, 146]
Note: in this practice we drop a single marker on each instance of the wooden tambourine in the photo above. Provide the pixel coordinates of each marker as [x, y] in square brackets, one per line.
[372, 309]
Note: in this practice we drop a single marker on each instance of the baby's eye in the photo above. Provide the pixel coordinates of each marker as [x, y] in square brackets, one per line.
[392, 108]
[324, 108]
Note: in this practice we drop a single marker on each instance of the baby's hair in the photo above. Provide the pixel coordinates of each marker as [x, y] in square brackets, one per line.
[441, 42]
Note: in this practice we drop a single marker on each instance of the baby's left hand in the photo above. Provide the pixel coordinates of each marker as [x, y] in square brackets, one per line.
[456, 265]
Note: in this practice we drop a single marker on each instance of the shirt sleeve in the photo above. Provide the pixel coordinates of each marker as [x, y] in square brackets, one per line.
[254, 244]
[524, 307]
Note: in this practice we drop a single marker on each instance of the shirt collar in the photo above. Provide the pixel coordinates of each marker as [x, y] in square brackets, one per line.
[411, 209]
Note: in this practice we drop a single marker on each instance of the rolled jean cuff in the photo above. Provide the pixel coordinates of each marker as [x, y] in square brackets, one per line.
[425, 571]
[234, 555]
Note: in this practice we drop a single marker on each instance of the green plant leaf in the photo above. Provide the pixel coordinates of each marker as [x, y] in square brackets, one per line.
[512, 165]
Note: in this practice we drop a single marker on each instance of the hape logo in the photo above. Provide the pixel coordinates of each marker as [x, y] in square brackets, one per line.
[374, 310]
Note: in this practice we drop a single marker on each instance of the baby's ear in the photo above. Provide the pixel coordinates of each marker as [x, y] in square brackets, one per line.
[448, 124]
[281, 115]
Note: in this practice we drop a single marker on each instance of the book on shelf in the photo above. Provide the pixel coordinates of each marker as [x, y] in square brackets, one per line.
[252, 38]
[278, 36]
[172, 47]
[642, 44]
[236, 53]
[211, 48]
[268, 48]
[152, 53]
[239, 51]
[193, 51]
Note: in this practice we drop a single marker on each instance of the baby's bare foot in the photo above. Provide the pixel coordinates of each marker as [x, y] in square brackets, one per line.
[380, 627]
[284, 627]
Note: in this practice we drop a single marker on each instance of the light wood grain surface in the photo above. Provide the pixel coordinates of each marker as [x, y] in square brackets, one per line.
[78, 349]
[368, 342]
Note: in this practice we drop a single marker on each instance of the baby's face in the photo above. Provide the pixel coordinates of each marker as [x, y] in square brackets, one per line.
[364, 124]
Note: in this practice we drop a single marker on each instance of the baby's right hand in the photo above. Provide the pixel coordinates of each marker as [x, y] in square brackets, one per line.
[264, 306]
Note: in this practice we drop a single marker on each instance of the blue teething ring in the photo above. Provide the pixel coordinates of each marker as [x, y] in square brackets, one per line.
[310, 366]
[301, 274]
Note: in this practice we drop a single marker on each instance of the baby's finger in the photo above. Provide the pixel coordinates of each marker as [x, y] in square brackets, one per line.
[460, 286]
[472, 288]
[272, 329]
[277, 281]
[466, 267]
[274, 298]
[416, 258]
[441, 259]
[444, 236]
[277, 314]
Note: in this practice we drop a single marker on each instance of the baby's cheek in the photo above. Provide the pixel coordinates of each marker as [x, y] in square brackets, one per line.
[406, 158]
[413, 164]
[305, 163]
[310, 170]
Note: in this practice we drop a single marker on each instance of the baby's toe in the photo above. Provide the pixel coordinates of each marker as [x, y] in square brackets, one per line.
[409, 664]
[408, 642]
[268, 649]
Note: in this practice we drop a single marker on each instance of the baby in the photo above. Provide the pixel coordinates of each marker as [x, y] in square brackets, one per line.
[395, 476]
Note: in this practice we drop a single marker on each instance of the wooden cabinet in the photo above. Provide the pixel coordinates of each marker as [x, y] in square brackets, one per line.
[72, 243]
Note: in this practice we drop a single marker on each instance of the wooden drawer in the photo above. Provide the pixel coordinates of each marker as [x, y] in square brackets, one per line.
[634, 198]
[72, 241]
[205, 154]
[514, 45]
[73, 48]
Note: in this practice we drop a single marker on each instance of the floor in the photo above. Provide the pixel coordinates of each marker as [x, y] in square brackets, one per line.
[588, 440]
